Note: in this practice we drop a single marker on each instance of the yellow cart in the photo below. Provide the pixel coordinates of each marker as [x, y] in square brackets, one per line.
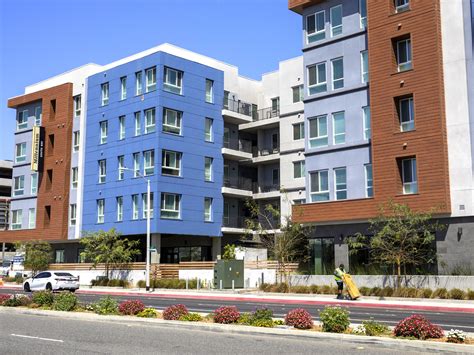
[351, 286]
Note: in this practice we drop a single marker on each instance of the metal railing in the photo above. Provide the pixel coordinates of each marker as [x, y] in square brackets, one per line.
[238, 106]
[266, 113]
[241, 183]
[234, 221]
[265, 188]
[241, 145]
[266, 151]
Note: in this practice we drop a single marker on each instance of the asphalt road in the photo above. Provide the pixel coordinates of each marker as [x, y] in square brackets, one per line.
[34, 334]
[388, 316]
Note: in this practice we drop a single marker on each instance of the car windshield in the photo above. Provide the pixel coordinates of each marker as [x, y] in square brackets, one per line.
[62, 274]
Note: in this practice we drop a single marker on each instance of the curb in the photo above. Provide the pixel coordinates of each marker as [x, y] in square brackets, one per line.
[241, 329]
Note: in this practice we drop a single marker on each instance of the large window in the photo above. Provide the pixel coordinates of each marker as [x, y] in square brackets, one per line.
[119, 202]
[315, 27]
[366, 121]
[104, 94]
[369, 182]
[103, 132]
[122, 127]
[17, 216]
[298, 131]
[22, 120]
[138, 83]
[337, 73]
[72, 214]
[77, 105]
[32, 218]
[170, 205]
[209, 91]
[123, 88]
[297, 93]
[336, 20]
[173, 81]
[208, 209]
[19, 185]
[39, 114]
[363, 13]
[317, 78]
[20, 152]
[102, 171]
[148, 162]
[171, 163]
[76, 141]
[34, 183]
[319, 189]
[134, 207]
[406, 114]
[208, 176]
[339, 123]
[340, 179]
[145, 205]
[298, 169]
[402, 5]
[322, 256]
[171, 121]
[136, 164]
[208, 124]
[137, 124]
[318, 131]
[150, 75]
[100, 210]
[409, 176]
[404, 54]
[150, 120]
[74, 177]
[121, 166]
[364, 66]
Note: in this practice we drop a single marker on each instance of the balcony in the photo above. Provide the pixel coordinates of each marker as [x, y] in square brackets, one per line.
[266, 155]
[241, 187]
[238, 112]
[268, 117]
[237, 149]
[266, 191]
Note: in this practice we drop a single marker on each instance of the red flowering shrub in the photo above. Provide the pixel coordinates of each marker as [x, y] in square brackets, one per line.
[226, 315]
[131, 307]
[419, 327]
[4, 297]
[299, 318]
[175, 311]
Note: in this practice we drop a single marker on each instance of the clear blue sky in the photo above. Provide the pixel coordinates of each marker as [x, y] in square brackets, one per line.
[42, 38]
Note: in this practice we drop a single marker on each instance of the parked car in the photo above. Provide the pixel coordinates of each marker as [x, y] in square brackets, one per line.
[53, 281]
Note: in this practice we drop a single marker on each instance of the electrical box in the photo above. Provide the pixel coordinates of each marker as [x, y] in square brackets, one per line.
[226, 271]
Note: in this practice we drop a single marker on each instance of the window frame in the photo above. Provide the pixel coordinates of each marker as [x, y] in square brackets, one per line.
[319, 86]
[408, 64]
[104, 129]
[104, 96]
[319, 191]
[403, 7]
[137, 123]
[22, 150]
[145, 207]
[18, 185]
[17, 219]
[136, 164]
[72, 214]
[323, 138]
[169, 169]
[102, 171]
[301, 170]
[299, 91]
[119, 208]
[369, 183]
[122, 127]
[208, 209]
[208, 169]
[407, 126]
[177, 87]
[410, 187]
[298, 130]
[334, 79]
[336, 135]
[138, 83]
[149, 166]
[74, 177]
[76, 141]
[34, 184]
[168, 128]
[135, 207]
[163, 210]
[100, 211]
[31, 223]
[366, 122]
[39, 115]
[150, 85]
[77, 105]
[150, 128]
[338, 29]
[363, 19]
[123, 88]
[22, 120]
[120, 167]
[340, 187]
[208, 134]
[317, 35]
[209, 91]
[364, 66]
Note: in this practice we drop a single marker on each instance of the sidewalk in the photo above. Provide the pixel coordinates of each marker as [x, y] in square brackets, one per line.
[259, 296]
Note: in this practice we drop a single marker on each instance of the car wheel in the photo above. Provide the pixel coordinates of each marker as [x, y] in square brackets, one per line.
[26, 287]
[49, 287]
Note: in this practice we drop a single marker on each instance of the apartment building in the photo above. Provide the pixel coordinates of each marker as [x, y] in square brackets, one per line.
[89, 140]
[389, 107]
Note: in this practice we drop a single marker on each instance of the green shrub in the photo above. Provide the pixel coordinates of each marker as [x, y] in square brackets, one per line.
[334, 319]
[110, 283]
[282, 288]
[441, 293]
[365, 291]
[386, 292]
[262, 317]
[168, 283]
[427, 292]
[326, 290]
[43, 298]
[13, 301]
[314, 289]
[375, 291]
[470, 295]
[278, 322]
[245, 319]
[106, 305]
[65, 301]
[17, 279]
[372, 328]
[457, 294]
[148, 313]
[411, 292]
[191, 317]
[300, 289]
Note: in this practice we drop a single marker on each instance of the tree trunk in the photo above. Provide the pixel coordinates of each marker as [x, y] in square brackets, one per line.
[399, 274]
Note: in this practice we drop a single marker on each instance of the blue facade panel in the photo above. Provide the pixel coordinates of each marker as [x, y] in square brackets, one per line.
[191, 185]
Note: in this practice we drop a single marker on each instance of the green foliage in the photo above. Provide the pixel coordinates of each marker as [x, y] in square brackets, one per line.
[375, 291]
[441, 293]
[334, 319]
[148, 313]
[169, 283]
[17, 279]
[65, 301]
[106, 305]
[470, 295]
[372, 328]
[43, 298]
[110, 283]
[110, 249]
[427, 292]
[386, 292]
[229, 252]
[245, 319]
[365, 291]
[278, 322]
[191, 317]
[457, 294]
[38, 256]
[17, 301]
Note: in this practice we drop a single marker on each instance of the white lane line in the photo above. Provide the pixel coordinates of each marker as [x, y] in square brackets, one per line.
[39, 338]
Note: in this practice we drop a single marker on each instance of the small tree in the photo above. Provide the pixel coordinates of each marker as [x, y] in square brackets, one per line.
[229, 252]
[38, 256]
[400, 237]
[110, 249]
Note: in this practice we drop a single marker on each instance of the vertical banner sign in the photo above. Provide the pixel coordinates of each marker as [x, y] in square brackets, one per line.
[37, 148]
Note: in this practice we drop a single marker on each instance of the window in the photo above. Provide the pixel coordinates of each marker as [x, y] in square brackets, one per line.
[366, 116]
[275, 106]
[173, 81]
[340, 179]
[148, 162]
[74, 177]
[298, 131]
[297, 93]
[138, 83]
[402, 5]
[102, 171]
[105, 94]
[150, 79]
[406, 114]
[171, 163]
[121, 166]
[22, 120]
[103, 132]
[34, 184]
[136, 164]
[299, 201]
[123, 88]
[209, 91]
[208, 169]
[298, 169]
[207, 209]
[337, 73]
[75, 141]
[39, 114]
[317, 78]
[100, 210]
[363, 13]
[170, 205]
[32, 218]
[72, 214]
[369, 187]
[364, 66]
[409, 176]
[318, 131]
[150, 121]
[315, 27]
[16, 219]
[122, 127]
[19, 185]
[137, 124]
[319, 189]
[20, 152]
[339, 123]
[77, 105]
[58, 257]
[336, 20]
[208, 136]
[275, 177]
[404, 54]
[134, 206]
[145, 205]
[171, 121]
[50, 146]
[119, 202]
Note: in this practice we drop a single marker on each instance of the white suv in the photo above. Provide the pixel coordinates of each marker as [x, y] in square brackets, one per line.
[51, 280]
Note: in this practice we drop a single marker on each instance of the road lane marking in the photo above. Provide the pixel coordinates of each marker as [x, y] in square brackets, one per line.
[38, 338]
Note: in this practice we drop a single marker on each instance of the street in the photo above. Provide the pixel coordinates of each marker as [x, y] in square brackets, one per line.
[33, 334]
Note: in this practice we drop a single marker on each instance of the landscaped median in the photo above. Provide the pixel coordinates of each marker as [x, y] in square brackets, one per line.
[333, 319]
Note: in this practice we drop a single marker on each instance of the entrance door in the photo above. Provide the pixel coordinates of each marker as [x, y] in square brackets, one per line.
[322, 256]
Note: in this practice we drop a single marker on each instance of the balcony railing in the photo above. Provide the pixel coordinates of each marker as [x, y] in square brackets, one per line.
[234, 221]
[241, 183]
[266, 113]
[265, 188]
[241, 107]
[241, 145]
[266, 151]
